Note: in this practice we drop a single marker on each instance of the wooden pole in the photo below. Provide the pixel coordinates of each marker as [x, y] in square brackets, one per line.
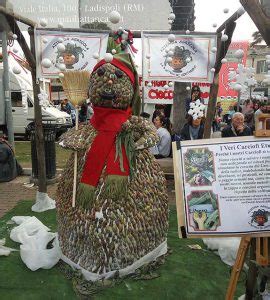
[238, 266]
[14, 16]
[252, 271]
[42, 185]
[6, 84]
[30, 57]
[231, 19]
[179, 106]
[221, 53]
[75, 162]
[21, 40]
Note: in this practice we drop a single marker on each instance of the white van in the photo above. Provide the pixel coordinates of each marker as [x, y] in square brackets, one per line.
[23, 114]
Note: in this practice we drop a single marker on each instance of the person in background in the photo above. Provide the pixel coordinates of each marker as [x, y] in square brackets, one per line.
[159, 109]
[237, 128]
[193, 129]
[83, 113]
[256, 105]
[247, 107]
[227, 118]
[258, 108]
[218, 118]
[67, 107]
[195, 95]
[90, 111]
[236, 107]
[163, 147]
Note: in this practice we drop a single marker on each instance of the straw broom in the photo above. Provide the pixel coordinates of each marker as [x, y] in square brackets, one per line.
[75, 85]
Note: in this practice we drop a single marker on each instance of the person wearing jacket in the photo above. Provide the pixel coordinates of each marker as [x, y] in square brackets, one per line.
[237, 128]
[193, 129]
[195, 95]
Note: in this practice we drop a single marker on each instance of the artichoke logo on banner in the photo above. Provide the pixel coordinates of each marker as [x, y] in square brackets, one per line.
[58, 51]
[187, 58]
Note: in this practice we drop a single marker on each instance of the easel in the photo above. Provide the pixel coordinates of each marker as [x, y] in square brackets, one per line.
[262, 258]
[257, 243]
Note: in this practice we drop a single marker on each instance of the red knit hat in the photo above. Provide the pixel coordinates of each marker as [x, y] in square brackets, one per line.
[117, 63]
[124, 62]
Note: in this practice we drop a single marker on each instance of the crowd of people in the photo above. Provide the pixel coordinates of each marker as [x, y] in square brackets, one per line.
[85, 110]
[248, 114]
[236, 121]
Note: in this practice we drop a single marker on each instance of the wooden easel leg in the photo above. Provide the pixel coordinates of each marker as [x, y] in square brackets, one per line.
[240, 259]
[252, 271]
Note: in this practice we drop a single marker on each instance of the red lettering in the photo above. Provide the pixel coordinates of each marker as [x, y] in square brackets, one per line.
[170, 94]
[160, 94]
[152, 94]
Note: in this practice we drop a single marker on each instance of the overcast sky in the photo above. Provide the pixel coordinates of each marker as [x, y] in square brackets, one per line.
[208, 12]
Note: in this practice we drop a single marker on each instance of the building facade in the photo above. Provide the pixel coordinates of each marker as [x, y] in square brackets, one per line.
[257, 59]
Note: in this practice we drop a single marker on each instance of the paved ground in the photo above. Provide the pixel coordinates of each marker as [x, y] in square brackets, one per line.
[20, 189]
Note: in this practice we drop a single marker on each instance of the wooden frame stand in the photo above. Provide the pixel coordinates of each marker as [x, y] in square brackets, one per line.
[262, 125]
[262, 258]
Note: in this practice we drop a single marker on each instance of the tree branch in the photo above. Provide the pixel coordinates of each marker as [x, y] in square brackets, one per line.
[21, 40]
[221, 53]
[17, 17]
[261, 20]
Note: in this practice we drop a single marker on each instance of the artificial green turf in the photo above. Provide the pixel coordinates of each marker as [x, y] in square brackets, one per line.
[187, 274]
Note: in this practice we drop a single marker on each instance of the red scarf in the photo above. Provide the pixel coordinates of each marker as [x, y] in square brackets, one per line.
[108, 123]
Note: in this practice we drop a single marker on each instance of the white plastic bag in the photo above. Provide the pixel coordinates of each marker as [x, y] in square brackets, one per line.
[34, 237]
[226, 247]
[26, 229]
[36, 258]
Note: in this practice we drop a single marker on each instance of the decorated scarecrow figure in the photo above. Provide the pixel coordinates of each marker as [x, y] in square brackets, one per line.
[120, 219]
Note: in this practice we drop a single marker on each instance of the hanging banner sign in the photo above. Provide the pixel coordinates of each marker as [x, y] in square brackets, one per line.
[188, 58]
[67, 51]
[158, 93]
[226, 185]
[162, 91]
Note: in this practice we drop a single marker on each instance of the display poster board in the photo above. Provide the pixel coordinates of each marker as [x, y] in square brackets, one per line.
[223, 186]
[79, 48]
[188, 58]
